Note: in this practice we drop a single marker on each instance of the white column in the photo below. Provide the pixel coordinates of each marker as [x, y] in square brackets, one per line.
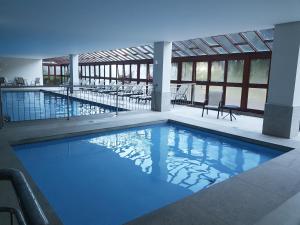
[74, 74]
[282, 110]
[161, 76]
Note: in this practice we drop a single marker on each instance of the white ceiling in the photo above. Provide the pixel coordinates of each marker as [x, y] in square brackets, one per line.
[41, 29]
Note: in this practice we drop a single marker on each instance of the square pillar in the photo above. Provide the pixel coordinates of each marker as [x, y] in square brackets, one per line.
[282, 110]
[74, 73]
[161, 95]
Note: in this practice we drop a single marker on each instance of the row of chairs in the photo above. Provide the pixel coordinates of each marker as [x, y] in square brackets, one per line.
[18, 81]
[139, 92]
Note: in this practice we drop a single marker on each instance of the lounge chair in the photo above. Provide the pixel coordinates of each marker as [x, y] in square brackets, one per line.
[181, 93]
[83, 84]
[145, 98]
[19, 81]
[136, 92]
[3, 81]
[36, 82]
[213, 102]
[127, 90]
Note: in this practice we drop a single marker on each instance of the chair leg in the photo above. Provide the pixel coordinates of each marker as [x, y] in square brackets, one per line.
[203, 111]
[207, 111]
[218, 113]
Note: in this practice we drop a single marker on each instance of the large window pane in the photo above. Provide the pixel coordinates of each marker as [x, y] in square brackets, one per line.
[201, 71]
[127, 71]
[259, 71]
[217, 71]
[200, 91]
[257, 98]
[45, 70]
[235, 71]
[187, 71]
[143, 71]
[87, 71]
[216, 88]
[102, 72]
[57, 70]
[120, 72]
[233, 96]
[107, 71]
[174, 71]
[113, 71]
[92, 69]
[134, 71]
[97, 70]
[51, 70]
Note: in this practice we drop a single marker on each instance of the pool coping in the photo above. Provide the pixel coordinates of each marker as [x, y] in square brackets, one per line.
[191, 206]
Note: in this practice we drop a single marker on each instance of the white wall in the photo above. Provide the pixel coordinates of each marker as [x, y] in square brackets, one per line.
[29, 69]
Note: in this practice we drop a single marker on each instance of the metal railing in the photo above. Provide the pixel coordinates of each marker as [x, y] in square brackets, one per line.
[41, 102]
[31, 212]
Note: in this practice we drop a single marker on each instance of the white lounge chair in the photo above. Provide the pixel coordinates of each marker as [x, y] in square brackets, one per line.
[213, 102]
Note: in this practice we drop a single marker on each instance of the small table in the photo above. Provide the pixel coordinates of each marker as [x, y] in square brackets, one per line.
[231, 108]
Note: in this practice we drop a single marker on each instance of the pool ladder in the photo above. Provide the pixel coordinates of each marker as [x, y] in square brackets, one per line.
[31, 213]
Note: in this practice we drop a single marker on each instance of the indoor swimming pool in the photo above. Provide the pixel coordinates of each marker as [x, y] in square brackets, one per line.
[35, 105]
[113, 177]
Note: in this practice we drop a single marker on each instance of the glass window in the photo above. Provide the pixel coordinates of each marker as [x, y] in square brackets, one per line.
[259, 71]
[134, 71]
[107, 71]
[201, 71]
[235, 71]
[227, 44]
[233, 96]
[120, 72]
[97, 70]
[127, 71]
[57, 70]
[246, 48]
[257, 98]
[255, 41]
[216, 88]
[102, 72]
[174, 71]
[143, 71]
[87, 71]
[51, 70]
[217, 71]
[66, 70]
[150, 71]
[45, 70]
[92, 69]
[200, 92]
[113, 71]
[187, 71]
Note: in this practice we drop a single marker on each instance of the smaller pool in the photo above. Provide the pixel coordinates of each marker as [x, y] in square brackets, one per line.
[34, 105]
[111, 178]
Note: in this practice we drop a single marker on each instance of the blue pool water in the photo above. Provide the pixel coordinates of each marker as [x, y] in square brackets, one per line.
[113, 177]
[34, 105]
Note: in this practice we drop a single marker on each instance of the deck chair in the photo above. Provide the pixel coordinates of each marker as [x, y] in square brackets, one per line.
[3, 81]
[36, 81]
[181, 93]
[19, 81]
[213, 102]
[147, 97]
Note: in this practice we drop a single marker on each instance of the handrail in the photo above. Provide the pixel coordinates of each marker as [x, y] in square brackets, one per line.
[30, 207]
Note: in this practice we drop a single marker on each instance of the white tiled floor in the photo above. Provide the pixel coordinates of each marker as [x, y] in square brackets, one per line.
[248, 123]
